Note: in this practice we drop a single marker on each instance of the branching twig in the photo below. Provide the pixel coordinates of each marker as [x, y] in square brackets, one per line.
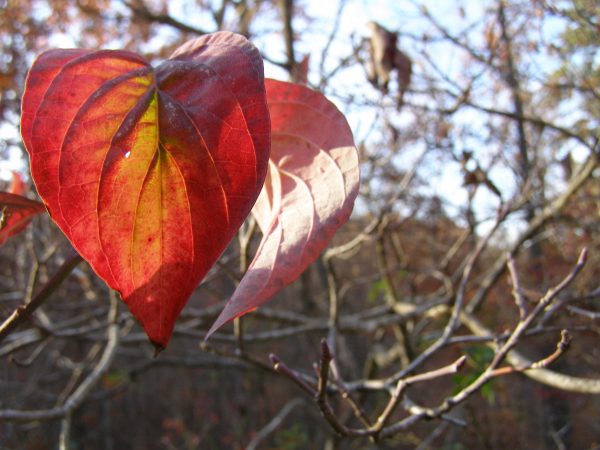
[80, 394]
[319, 393]
[23, 312]
[561, 347]
[139, 9]
[454, 320]
[275, 422]
[549, 212]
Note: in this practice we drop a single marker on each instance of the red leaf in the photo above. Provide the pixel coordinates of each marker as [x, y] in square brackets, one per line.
[17, 185]
[149, 172]
[309, 192]
[16, 212]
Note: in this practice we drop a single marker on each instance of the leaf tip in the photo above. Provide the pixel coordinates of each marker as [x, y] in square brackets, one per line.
[158, 348]
[214, 327]
[231, 311]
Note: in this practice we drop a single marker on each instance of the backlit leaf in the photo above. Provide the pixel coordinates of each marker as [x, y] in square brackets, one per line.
[309, 192]
[149, 172]
[16, 212]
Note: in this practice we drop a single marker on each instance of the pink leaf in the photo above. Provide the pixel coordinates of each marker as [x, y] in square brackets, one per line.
[308, 194]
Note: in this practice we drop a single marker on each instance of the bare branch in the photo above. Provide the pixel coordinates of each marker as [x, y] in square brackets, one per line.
[23, 313]
[140, 10]
[274, 423]
[517, 294]
[80, 394]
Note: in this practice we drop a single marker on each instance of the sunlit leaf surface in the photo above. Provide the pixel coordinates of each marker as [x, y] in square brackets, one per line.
[149, 172]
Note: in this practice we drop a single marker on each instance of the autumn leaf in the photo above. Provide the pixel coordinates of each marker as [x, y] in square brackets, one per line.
[308, 194]
[16, 212]
[149, 172]
[17, 185]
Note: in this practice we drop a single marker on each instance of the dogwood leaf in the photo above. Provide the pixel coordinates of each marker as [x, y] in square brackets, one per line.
[149, 172]
[308, 194]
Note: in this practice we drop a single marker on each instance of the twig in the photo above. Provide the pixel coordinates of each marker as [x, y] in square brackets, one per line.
[517, 293]
[280, 367]
[23, 312]
[594, 315]
[334, 310]
[274, 423]
[319, 394]
[549, 212]
[454, 320]
[330, 38]
[541, 375]
[525, 323]
[427, 442]
[80, 394]
[64, 439]
[402, 385]
[244, 236]
[491, 371]
[287, 7]
[144, 13]
[511, 77]
[561, 347]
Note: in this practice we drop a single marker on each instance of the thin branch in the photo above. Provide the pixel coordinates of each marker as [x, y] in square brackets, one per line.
[139, 9]
[319, 393]
[280, 367]
[457, 308]
[376, 222]
[515, 359]
[561, 347]
[516, 292]
[274, 423]
[80, 394]
[536, 223]
[287, 10]
[594, 315]
[24, 312]
[543, 303]
[330, 38]
[402, 385]
[537, 121]
[512, 79]
[420, 413]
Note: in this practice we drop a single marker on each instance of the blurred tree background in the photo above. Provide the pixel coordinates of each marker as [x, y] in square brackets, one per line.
[477, 127]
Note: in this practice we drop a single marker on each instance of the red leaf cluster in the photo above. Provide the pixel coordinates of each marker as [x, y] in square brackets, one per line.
[150, 172]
